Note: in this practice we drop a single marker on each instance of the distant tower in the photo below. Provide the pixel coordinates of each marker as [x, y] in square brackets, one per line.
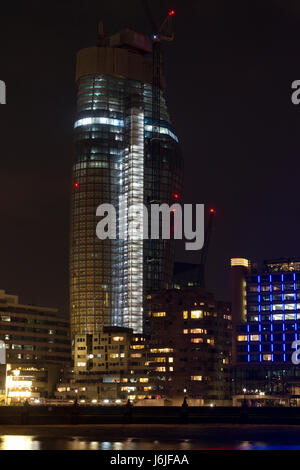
[240, 268]
[112, 161]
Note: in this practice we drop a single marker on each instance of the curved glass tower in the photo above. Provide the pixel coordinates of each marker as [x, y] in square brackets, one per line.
[113, 164]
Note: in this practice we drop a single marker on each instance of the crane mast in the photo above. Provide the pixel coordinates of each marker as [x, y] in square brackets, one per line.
[159, 33]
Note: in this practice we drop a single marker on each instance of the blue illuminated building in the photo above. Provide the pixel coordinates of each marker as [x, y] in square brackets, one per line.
[266, 322]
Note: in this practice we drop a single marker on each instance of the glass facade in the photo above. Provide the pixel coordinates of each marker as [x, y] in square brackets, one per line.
[112, 164]
[273, 319]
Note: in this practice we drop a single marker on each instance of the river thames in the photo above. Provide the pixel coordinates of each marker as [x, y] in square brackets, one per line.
[150, 437]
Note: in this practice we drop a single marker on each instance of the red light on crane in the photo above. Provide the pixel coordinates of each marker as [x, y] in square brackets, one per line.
[171, 12]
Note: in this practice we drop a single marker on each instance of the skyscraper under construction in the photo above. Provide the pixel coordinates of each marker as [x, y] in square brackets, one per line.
[116, 158]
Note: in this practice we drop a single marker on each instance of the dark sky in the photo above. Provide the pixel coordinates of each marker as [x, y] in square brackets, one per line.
[229, 74]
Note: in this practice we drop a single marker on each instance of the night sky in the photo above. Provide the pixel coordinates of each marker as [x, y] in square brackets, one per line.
[229, 74]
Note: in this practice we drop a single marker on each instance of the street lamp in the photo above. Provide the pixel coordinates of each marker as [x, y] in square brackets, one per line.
[244, 391]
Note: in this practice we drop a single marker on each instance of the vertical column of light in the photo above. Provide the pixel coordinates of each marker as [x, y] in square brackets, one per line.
[134, 194]
[248, 329]
[120, 259]
[295, 299]
[283, 318]
[248, 343]
[259, 318]
[271, 318]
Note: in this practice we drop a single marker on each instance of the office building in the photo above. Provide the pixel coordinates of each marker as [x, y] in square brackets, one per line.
[37, 345]
[266, 322]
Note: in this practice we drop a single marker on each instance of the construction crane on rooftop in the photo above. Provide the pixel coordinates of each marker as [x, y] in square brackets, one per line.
[161, 33]
[164, 32]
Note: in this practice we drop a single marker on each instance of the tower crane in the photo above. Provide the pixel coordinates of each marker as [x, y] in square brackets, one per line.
[159, 34]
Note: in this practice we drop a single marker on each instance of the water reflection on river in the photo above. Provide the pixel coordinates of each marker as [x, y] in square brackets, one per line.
[10, 442]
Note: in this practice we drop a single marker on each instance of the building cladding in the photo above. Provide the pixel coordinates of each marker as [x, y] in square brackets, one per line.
[266, 313]
[32, 334]
[113, 164]
[190, 345]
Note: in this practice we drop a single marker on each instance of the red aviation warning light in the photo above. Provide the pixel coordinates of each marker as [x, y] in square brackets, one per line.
[175, 195]
[171, 12]
[76, 184]
[212, 211]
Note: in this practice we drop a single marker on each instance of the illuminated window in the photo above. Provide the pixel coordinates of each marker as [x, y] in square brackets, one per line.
[137, 346]
[197, 340]
[160, 359]
[197, 330]
[289, 306]
[158, 314]
[240, 262]
[160, 369]
[171, 369]
[196, 313]
[242, 338]
[267, 357]
[161, 350]
[196, 377]
[144, 379]
[81, 364]
[170, 359]
[185, 332]
[289, 316]
[98, 120]
[185, 314]
[254, 337]
[5, 318]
